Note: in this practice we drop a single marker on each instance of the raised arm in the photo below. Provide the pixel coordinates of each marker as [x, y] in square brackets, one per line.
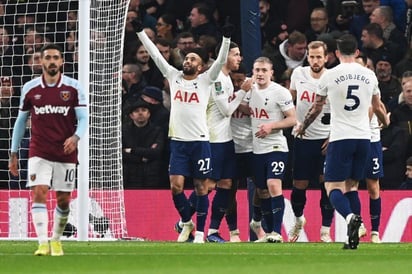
[154, 52]
[227, 108]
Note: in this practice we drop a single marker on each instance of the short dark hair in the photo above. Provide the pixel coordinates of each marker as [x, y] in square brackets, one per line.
[51, 46]
[347, 44]
[374, 29]
[409, 161]
[231, 46]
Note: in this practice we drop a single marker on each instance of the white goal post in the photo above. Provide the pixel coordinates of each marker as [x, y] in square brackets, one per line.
[91, 33]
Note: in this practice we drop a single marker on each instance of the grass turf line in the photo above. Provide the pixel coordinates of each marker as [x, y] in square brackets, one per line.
[169, 257]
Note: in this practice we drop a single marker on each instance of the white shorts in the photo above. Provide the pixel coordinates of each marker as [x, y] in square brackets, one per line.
[56, 175]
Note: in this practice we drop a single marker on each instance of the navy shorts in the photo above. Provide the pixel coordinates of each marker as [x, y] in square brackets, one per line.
[308, 161]
[346, 159]
[190, 159]
[269, 166]
[244, 165]
[224, 160]
[374, 164]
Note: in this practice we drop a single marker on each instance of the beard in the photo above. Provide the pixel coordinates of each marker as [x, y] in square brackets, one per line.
[52, 71]
[317, 69]
[189, 70]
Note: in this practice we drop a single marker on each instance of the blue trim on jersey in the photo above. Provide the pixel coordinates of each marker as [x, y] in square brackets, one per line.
[82, 121]
[18, 130]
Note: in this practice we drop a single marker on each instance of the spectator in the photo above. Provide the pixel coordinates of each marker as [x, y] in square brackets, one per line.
[389, 86]
[147, 20]
[276, 34]
[184, 43]
[8, 113]
[330, 41]
[402, 115]
[408, 27]
[166, 27]
[343, 12]
[374, 46]
[383, 16]
[407, 184]
[394, 145]
[362, 19]
[319, 24]
[201, 21]
[295, 13]
[9, 57]
[134, 84]
[151, 73]
[159, 114]
[399, 12]
[143, 145]
[292, 53]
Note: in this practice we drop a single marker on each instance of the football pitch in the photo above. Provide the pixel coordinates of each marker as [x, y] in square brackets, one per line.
[169, 257]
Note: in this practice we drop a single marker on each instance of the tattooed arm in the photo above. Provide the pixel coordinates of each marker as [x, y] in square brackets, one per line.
[311, 115]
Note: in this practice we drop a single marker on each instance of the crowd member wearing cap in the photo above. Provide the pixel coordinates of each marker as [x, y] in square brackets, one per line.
[143, 145]
[389, 85]
[8, 113]
[190, 148]
[160, 117]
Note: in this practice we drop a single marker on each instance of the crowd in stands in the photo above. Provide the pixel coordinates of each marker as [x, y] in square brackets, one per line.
[382, 28]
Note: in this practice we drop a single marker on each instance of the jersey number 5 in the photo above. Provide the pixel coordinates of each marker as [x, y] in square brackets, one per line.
[355, 98]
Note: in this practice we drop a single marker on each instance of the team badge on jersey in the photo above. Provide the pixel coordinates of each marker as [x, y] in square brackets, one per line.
[65, 95]
[218, 88]
[33, 177]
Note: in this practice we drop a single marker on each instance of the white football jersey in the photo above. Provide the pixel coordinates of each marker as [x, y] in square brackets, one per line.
[305, 86]
[375, 129]
[222, 104]
[267, 105]
[189, 98]
[349, 87]
[241, 126]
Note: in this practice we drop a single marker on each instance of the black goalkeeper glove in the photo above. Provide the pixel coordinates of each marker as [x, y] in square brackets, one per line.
[137, 25]
[228, 29]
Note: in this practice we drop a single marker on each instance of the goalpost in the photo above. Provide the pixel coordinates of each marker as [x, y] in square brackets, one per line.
[27, 26]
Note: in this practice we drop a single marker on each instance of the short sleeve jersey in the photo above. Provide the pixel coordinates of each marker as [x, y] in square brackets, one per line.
[268, 105]
[349, 87]
[53, 117]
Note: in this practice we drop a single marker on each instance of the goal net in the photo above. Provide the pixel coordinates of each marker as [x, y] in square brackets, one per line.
[26, 27]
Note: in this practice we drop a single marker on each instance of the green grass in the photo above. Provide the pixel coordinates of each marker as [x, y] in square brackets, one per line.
[167, 257]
